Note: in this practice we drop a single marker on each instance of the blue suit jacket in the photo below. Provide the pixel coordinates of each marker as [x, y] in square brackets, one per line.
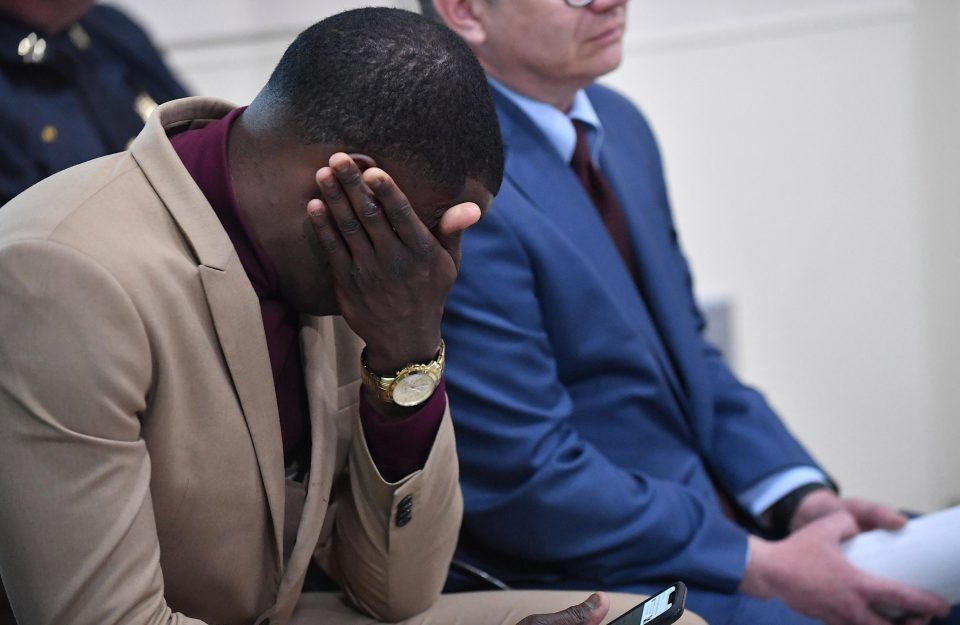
[587, 441]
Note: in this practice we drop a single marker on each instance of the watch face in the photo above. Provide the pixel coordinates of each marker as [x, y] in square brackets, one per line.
[414, 388]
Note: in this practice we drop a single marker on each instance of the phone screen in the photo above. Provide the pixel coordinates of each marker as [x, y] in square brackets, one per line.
[649, 609]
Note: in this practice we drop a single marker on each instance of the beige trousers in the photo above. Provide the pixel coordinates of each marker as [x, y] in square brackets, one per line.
[497, 607]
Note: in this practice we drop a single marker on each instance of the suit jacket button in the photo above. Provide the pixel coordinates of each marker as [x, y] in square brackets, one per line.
[405, 511]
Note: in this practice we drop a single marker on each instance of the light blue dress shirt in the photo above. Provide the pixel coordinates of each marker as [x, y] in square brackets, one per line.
[558, 128]
[556, 125]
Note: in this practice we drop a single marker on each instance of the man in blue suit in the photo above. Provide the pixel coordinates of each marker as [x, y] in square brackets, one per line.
[603, 441]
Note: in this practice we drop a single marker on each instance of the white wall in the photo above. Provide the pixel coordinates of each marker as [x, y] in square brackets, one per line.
[937, 49]
[800, 140]
[811, 148]
[228, 49]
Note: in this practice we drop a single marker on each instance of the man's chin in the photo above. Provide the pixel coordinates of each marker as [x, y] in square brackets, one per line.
[612, 58]
[601, 65]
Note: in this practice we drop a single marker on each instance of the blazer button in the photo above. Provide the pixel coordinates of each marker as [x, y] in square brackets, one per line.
[405, 511]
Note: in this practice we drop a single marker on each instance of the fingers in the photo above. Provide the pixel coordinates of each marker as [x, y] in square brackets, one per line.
[373, 217]
[904, 598]
[338, 209]
[370, 203]
[359, 202]
[870, 515]
[329, 237]
[838, 526]
[403, 219]
[868, 617]
[452, 225]
[458, 218]
[590, 612]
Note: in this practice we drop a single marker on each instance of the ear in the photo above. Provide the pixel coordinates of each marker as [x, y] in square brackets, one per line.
[363, 161]
[466, 18]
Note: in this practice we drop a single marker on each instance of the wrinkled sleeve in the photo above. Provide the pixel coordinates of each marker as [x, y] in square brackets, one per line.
[394, 540]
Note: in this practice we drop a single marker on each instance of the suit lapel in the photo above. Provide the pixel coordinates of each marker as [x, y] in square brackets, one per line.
[669, 306]
[236, 318]
[320, 371]
[234, 307]
[539, 173]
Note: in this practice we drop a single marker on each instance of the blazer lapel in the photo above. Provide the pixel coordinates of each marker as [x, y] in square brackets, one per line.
[540, 174]
[669, 306]
[234, 307]
[320, 371]
[236, 317]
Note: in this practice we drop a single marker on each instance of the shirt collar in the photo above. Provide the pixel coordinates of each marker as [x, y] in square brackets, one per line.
[556, 125]
[203, 152]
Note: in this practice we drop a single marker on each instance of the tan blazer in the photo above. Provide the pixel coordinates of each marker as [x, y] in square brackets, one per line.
[141, 469]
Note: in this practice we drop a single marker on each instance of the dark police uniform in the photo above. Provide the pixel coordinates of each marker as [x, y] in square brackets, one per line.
[74, 96]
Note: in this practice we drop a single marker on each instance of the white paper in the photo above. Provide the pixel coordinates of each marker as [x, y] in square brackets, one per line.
[924, 553]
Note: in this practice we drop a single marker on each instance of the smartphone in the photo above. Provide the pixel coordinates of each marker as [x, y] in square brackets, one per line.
[660, 609]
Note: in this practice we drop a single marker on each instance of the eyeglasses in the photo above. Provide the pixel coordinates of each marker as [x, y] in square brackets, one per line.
[577, 4]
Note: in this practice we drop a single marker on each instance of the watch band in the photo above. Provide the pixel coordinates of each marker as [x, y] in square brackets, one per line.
[781, 512]
[385, 387]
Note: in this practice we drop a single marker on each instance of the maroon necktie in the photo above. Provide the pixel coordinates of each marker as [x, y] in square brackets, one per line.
[604, 199]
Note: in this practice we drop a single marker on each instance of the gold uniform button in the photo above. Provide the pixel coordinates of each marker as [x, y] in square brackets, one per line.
[49, 133]
[32, 48]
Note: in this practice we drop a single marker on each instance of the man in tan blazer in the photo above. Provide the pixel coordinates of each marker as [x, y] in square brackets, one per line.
[183, 426]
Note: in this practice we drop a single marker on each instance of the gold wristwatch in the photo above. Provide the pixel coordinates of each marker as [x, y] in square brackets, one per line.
[411, 386]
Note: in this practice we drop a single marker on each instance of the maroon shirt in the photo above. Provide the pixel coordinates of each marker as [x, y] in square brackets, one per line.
[398, 447]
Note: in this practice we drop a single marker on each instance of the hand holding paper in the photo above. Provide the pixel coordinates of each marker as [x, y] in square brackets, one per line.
[925, 553]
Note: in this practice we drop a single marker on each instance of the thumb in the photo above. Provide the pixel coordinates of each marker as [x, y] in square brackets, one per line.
[590, 612]
[457, 219]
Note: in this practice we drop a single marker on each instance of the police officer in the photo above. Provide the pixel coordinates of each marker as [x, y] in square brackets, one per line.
[77, 81]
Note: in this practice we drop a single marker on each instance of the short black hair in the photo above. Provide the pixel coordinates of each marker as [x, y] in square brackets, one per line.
[392, 84]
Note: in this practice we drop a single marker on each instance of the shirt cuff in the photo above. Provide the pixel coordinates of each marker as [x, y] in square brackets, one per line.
[401, 446]
[770, 490]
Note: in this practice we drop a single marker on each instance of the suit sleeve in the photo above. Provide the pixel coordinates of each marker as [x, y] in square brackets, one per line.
[79, 539]
[535, 489]
[744, 421]
[394, 541]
